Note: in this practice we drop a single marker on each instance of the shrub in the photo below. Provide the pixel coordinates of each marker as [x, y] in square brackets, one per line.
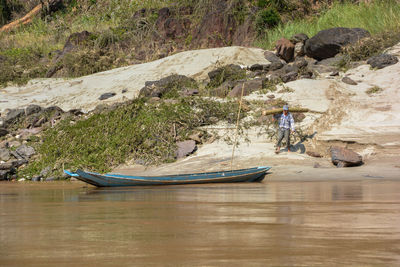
[138, 130]
[267, 18]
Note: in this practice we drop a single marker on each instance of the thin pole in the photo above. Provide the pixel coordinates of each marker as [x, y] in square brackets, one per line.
[237, 126]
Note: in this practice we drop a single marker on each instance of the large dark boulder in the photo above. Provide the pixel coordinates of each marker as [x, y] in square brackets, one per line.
[343, 157]
[327, 43]
[382, 61]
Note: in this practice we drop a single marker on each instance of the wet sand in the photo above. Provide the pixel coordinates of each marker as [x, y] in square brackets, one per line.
[338, 222]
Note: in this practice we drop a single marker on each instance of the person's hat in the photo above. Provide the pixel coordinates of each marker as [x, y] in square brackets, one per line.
[285, 107]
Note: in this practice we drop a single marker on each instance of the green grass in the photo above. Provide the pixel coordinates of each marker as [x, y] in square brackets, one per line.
[137, 130]
[376, 17]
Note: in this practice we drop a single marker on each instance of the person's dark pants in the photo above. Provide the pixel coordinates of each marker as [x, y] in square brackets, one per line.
[283, 133]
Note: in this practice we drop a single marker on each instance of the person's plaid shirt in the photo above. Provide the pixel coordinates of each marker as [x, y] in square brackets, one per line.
[286, 122]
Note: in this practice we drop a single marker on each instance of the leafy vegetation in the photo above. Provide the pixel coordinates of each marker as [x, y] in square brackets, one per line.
[138, 130]
[374, 90]
[267, 18]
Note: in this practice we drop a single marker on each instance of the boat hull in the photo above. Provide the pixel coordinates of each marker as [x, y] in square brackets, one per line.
[111, 180]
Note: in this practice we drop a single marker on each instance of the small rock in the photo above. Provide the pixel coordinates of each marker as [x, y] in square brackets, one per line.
[124, 91]
[154, 99]
[16, 155]
[3, 132]
[276, 65]
[3, 175]
[140, 162]
[334, 73]
[382, 61]
[32, 109]
[185, 148]
[36, 179]
[4, 154]
[271, 57]
[196, 137]
[271, 96]
[343, 157]
[13, 143]
[189, 92]
[6, 166]
[256, 67]
[21, 180]
[13, 115]
[314, 154]
[348, 80]
[317, 165]
[291, 76]
[25, 151]
[299, 38]
[106, 96]
[45, 172]
[75, 112]
[2, 123]
[300, 63]
[299, 50]
[50, 179]
[19, 162]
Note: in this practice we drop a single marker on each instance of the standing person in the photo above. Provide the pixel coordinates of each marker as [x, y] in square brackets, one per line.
[286, 126]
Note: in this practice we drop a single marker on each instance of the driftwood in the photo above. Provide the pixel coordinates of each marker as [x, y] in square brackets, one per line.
[280, 110]
[22, 21]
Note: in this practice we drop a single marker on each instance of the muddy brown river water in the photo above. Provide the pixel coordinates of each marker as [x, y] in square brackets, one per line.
[292, 223]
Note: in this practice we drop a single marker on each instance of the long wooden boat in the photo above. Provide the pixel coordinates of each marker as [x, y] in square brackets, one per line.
[255, 174]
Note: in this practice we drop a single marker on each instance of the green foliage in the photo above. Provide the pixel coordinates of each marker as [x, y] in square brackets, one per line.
[20, 64]
[240, 11]
[376, 17]
[138, 130]
[267, 18]
[262, 3]
[374, 90]
[87, 61]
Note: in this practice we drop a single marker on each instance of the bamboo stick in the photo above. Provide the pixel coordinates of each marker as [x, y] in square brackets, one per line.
[237, 126]
[280, 110]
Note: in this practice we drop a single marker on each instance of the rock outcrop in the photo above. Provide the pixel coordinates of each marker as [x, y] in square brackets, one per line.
[327, 43]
